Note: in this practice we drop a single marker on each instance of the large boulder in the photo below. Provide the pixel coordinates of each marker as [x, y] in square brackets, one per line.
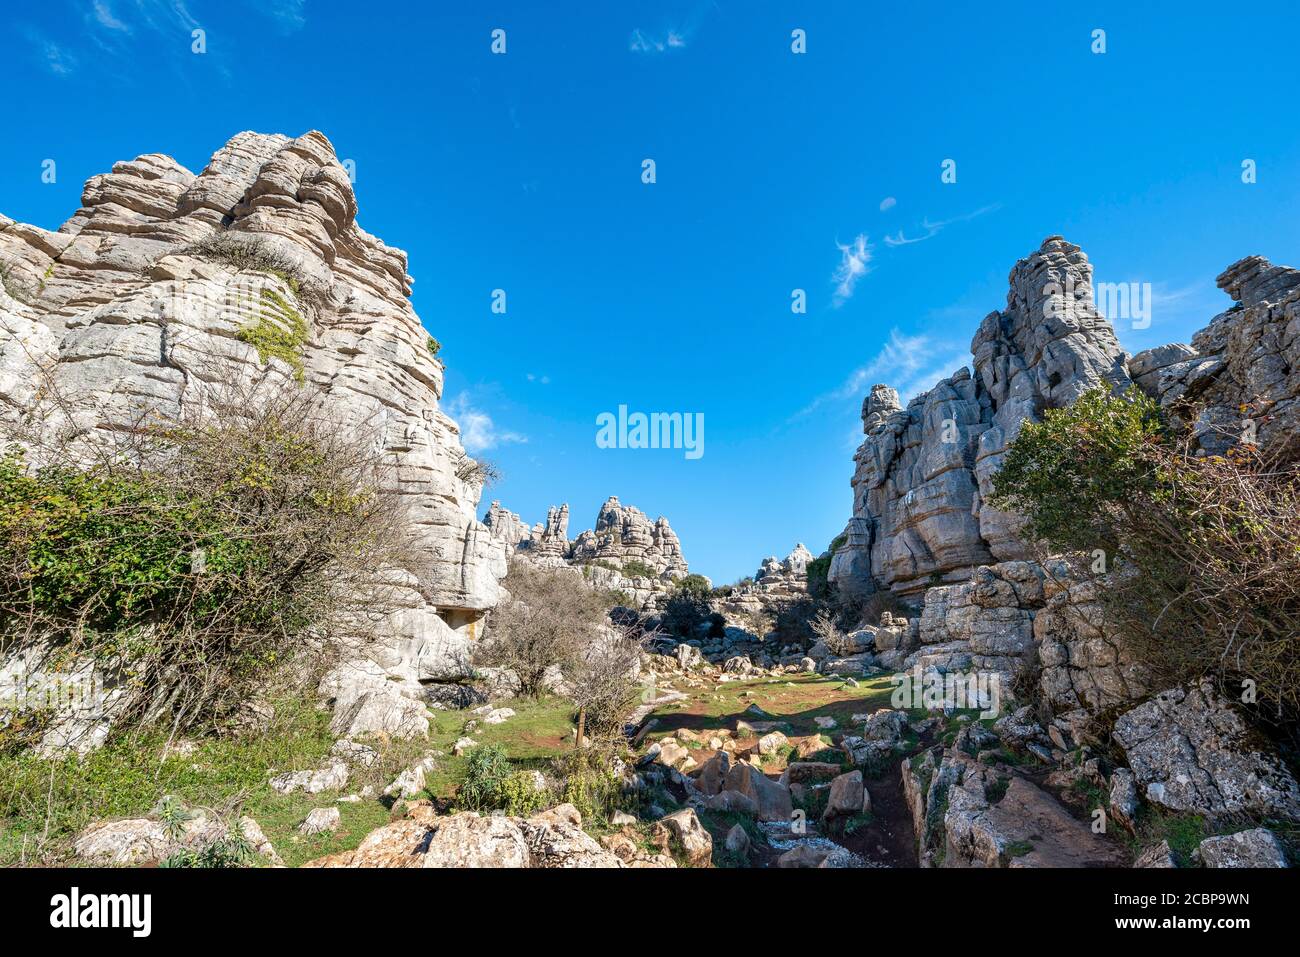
[1256, 847]
[772, 800]
[1190, 750]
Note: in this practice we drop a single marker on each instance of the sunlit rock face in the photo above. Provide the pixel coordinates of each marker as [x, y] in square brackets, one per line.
[924, 472]
[114, 317]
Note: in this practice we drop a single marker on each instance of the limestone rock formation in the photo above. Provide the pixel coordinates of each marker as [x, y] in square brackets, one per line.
[551, 540]
[506, 527]
[924, 471]
[1239, 381]
[624, 534]
[625, 551]
[776, 581]
[119, 314]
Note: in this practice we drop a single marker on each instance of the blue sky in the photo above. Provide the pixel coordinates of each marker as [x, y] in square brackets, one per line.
[522, 172]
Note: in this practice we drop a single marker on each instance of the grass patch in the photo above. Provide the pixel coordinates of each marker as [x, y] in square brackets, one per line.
[1019, 848]
[44, 803]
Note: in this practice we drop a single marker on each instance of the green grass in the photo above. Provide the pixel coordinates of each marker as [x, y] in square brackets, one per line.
[795, 701]
[540, 729]
[1019, 848]
[44, 804]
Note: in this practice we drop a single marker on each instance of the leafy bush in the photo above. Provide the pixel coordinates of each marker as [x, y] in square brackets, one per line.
[492, 784]
[486, 771]
[1075, 473]
[1202, 549]
[197, 557]
[684, 613]
[634, 568]
[591, 783]
[696, 585]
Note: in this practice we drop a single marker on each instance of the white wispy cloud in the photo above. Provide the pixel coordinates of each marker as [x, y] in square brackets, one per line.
[888, 203]
[105, 17]
[910, 364]
[57, 59]
[644, 42]
[933, 229]
[855, 262]
[543, 379]
[478, 432]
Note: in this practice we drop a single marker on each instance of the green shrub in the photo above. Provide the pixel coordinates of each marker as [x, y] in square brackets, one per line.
[590, 783]
[633, 568]
[1073, 474]
[193, 562]
[1205, 573]
[486, 771]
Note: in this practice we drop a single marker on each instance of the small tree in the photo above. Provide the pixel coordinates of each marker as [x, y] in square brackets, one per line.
[602, 680]
[551, 617]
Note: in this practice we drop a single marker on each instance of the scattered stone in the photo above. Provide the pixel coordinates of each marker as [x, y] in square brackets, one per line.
[689, 834]
[332, 778]
[320, 821]
[1257, 847]
[1158, 855]
[738, 841]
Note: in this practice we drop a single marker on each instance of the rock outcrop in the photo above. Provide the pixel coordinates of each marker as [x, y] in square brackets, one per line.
[625, 552]
[506, 527]
[1239, 380]
[778, 580]
[124, 312]
[623, 534]
[924, 471]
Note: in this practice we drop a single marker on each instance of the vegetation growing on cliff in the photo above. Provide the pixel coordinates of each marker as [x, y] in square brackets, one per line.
[195, 560]
[1201, 549]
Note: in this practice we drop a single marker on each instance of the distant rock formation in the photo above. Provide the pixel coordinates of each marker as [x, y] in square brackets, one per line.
[609, 554]
[776, 581]
[624, 534]
[551, 540]
[505, 526]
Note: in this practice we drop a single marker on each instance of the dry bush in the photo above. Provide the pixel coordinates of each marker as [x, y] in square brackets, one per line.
[1204, 551]
[828, 633]
[550, 619]
[191, 556]
[602, 679]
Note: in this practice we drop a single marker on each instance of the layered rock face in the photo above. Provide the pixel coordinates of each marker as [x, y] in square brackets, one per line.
[1241, 372]
[923, 473]
[624, 534]
[118, 316]
[506, 527]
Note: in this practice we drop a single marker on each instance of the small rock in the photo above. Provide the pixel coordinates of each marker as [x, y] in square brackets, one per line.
[321, 820]
[738, 841]
[1257, 847]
